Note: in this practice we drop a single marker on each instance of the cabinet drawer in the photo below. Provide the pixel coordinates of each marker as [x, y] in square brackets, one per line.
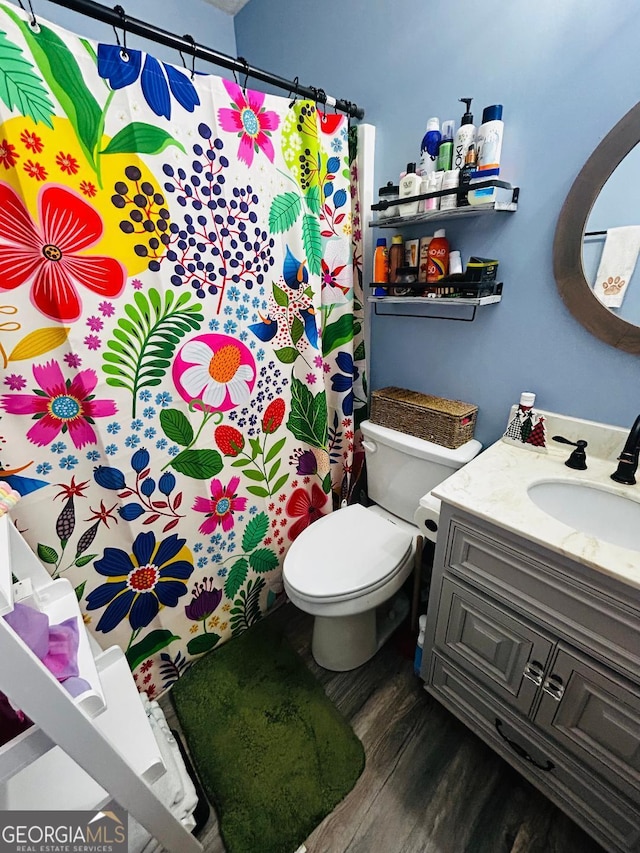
[609, 818]
[550, 592]
[596, 718]
[505, 653]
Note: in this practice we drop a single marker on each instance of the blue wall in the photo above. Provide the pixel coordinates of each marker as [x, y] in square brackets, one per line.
[208, 25]
[566, 75]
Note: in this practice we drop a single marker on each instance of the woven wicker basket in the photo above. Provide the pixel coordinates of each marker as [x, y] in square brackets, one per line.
[447, 422]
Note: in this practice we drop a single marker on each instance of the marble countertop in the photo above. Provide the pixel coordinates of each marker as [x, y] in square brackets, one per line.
[493, 487]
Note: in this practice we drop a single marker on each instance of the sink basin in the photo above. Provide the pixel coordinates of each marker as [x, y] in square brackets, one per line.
[590, 509]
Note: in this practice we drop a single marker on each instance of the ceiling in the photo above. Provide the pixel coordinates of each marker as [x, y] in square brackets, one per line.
[229, 6]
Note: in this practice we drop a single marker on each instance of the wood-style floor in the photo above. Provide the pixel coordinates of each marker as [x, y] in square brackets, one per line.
[429, 785]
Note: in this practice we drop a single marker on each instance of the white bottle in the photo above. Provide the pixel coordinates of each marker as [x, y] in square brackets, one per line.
[409, 186]
[465, 136]
[490, 138]
[455, 263]
[424, 188]
[449, 182]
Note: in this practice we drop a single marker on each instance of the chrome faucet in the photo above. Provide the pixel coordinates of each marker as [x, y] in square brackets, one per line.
[628, 459]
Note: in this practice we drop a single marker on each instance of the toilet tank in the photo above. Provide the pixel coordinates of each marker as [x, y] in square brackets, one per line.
[402, 468]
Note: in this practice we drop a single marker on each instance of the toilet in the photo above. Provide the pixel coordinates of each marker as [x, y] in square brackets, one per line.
[346, 568]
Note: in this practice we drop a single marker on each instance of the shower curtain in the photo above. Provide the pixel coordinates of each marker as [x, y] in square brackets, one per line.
[180, 334]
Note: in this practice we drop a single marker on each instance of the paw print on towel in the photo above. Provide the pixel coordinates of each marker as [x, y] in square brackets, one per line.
[612, 286]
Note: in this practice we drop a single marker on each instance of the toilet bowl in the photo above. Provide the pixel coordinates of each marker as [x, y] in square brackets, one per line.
[346, 566]
[347, 569]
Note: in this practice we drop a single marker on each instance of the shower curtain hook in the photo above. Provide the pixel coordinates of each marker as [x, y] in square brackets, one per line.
[246, 73]
[293, 92]
[123, 47]
[33, 23]
[192, 41]
[322, 98]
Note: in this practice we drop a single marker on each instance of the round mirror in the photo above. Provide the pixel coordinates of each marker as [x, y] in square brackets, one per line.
[611, 242]
[582, 213]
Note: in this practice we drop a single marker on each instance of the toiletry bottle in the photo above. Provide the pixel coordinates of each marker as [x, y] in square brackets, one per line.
[411, 250]
[409, 186]
[389, 193]
[438, 265]
[431, 187]
[423, 257]
[429, 147]
[525, 413]
[425, 187]
[465, 136]
[417, 660]
[455, 263]
[381, 266]
[396, 256]
[449, 182]
[490, 138]
[465, 175]
[445, 149]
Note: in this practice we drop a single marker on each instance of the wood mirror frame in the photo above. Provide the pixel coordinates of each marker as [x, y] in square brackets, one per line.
[567, 243]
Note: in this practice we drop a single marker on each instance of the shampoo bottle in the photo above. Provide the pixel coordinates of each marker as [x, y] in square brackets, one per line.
[438, 264]
[409, 186]
[465, 136]
[429, 147]
[490, 138]
[445, 149]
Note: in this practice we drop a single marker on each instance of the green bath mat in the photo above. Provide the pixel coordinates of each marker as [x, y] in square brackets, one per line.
[275, 756]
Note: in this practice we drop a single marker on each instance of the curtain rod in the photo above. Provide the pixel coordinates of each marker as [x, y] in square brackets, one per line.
[117, 17]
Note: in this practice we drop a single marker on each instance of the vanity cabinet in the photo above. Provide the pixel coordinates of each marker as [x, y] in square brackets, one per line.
[540, 656]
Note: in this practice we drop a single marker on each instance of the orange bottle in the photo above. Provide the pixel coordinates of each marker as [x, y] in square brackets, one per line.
[381, 262]
[438, 262]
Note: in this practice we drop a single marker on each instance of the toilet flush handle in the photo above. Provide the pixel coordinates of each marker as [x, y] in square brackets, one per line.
[369, 446]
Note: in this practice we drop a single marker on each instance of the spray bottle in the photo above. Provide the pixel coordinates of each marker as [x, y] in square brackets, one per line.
[490, 138]
[438, 263]
[445, 149]
[430, 146]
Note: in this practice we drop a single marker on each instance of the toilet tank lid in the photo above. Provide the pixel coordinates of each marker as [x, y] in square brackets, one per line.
[420, 448]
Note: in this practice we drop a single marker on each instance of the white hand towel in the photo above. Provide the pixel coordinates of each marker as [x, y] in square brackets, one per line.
[617, 264]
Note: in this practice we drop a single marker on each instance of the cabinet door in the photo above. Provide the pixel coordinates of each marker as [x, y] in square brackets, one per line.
[501, 650]
[594, 716]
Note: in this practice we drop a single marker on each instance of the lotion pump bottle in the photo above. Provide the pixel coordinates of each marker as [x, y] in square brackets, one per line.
[430, 146]
[465, 136]
[409, 186]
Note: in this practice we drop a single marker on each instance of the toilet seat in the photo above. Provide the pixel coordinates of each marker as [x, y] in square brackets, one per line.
[345, 555]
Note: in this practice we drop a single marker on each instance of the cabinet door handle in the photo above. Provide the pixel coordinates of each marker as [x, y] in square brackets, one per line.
[534, 672]
[554, 687]
[521, 751]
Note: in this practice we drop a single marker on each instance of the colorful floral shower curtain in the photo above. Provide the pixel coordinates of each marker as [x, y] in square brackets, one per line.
[180, 335]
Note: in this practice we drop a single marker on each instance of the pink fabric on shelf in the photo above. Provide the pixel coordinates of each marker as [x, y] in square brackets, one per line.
[62, 657]
[55, 645]
[31, 626]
